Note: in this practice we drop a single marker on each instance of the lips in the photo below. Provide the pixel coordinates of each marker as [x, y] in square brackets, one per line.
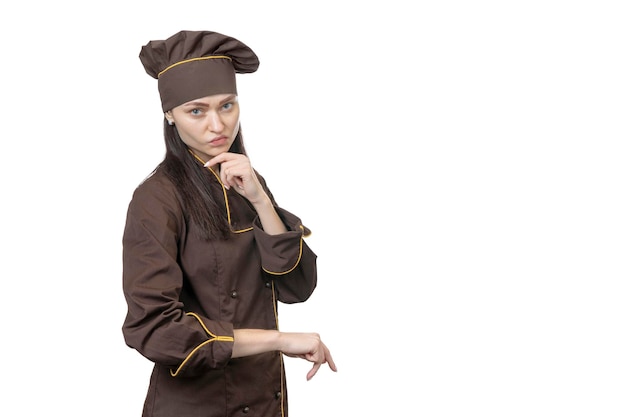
[219, 141]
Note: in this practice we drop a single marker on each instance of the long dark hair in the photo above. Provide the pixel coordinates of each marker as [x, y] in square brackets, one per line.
[192, 181]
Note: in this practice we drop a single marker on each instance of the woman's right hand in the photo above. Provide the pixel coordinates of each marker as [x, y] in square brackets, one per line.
[308, 346]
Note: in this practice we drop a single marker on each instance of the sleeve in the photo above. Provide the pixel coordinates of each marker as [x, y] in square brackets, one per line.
[156, 324]
[286, 259]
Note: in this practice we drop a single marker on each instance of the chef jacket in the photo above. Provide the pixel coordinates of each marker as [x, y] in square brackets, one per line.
[185, 295]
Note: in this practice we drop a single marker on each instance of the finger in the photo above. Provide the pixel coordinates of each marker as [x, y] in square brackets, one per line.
[239, 182]
[329, 359]
[229, 174]
[235, 180]
[236, 175]
[224, 177]
[217, 159]
[313, 371]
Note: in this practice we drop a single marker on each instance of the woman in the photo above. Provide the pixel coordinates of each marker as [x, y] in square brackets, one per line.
[207, 252]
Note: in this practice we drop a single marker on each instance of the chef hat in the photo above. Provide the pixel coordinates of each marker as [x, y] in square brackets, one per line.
[194, 64]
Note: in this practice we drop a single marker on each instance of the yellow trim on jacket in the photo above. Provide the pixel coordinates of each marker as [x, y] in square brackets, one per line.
[201, 345]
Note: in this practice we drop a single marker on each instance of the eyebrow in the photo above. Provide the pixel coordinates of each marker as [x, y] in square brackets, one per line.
[203, 104]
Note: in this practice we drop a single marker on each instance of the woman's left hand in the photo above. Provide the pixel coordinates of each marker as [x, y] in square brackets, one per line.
[237, 172]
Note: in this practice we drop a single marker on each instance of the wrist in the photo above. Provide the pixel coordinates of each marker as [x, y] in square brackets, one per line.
[263, 203]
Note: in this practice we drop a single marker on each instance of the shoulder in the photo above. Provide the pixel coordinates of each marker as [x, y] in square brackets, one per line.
[154, 213]
[155, 193]
[156, 181]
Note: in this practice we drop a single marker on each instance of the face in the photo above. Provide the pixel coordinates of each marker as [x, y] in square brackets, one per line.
[207, 125]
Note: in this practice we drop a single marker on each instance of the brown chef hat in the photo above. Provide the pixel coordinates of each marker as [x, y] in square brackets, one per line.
[194, 64]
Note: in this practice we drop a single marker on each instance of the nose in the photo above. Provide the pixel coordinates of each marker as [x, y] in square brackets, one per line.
[215, 122]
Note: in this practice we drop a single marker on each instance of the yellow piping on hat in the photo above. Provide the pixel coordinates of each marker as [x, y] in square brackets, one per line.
[202, 58]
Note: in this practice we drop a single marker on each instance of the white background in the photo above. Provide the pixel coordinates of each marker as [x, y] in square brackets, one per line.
[461, 165]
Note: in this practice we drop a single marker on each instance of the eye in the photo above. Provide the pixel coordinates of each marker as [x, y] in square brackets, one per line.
[196, 112]
[227, 106]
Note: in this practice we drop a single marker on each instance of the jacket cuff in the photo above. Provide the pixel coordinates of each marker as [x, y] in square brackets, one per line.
[280, 254]
[220, 351]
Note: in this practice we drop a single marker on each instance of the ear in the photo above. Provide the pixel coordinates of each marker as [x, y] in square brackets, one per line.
[169, 117]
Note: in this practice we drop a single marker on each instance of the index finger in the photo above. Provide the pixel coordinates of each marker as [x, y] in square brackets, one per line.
[218, 159]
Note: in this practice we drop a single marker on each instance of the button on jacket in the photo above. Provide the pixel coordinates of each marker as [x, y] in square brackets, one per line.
[185, 296]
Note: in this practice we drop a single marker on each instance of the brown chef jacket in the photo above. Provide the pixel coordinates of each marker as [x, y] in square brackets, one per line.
[185, 296]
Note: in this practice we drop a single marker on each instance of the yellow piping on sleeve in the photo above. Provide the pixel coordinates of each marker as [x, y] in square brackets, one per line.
[215, 338]
[297, 261]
